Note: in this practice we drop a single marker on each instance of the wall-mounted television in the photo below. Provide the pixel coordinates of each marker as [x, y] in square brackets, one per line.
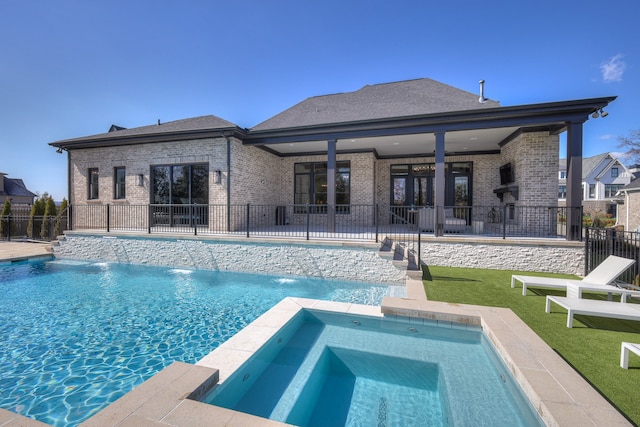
[506, 174]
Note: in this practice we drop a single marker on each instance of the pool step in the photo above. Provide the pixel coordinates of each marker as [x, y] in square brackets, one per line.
[402, 257]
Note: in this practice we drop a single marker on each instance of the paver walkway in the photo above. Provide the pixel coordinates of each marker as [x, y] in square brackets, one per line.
[14, 251]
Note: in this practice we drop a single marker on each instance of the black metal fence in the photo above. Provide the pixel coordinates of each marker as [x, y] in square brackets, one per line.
[602, 242]
[24, 226]
[321, 221]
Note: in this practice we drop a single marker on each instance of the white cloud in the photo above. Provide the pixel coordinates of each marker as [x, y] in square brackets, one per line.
[606, 136]
[613, 69]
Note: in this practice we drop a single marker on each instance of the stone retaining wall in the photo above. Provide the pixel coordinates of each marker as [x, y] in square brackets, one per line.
[560, 257]
[309, 260]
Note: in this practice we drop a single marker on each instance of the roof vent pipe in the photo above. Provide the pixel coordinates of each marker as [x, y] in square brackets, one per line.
[158, 122]
[482, 99]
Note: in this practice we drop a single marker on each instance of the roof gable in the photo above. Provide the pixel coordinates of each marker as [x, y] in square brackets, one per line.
[380, 101]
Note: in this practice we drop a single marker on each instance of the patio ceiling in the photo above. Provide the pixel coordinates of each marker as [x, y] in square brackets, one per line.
[466, 141]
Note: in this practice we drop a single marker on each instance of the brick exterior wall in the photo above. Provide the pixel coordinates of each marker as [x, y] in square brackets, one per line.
[260, 178]
[629, 212]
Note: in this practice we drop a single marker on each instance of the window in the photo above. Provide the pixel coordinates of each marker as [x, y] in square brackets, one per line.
[614, 172]
[592, 191]
[310, 186]
[562, 192]
[93, 184]
[610, 190]
[563, 174]
[180, 184]
[119, 187]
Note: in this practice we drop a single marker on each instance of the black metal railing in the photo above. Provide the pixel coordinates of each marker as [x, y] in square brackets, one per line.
[602, 242]
[320, 221]
[22, 225]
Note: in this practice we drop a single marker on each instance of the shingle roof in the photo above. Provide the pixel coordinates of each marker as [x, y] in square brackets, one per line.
[633, 185]
[16, 187]
[387, 100]
[588, 163]
[209, 122]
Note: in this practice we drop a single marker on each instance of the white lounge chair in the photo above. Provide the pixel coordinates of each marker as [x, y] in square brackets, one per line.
[602, 275]
[624, 353]
[596, 308]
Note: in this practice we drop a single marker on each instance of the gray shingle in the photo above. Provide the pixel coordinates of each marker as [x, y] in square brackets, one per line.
[380, 101]
[210, 122]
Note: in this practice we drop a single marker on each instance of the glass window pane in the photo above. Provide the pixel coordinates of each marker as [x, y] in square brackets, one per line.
[180, 185]
[320, 168]
[342, 182]
[399, 191]
[302, 168]
[200, 184]
[320, 184]
[160, 184]
[93, 184]
[399, 169]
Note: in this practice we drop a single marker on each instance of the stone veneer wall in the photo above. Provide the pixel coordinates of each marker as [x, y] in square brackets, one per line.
[556, 257]
[340, 262]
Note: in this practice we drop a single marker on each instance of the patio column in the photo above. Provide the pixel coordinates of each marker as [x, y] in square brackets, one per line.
[439, 196]
[574, 180]
[331, 186]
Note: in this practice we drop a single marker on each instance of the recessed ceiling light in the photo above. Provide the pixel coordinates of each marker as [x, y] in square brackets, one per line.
[353, 140]
[473, 138]
[290, 145]
[396, 143]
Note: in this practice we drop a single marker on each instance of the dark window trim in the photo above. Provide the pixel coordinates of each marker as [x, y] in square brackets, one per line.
[171, 166]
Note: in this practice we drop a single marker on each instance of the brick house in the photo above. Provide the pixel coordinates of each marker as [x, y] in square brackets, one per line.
[408, 143]
[629, 206]
[603, 176]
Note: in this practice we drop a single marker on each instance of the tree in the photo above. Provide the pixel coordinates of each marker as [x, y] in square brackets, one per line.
[49, 211]
[4, 213]
[62, 211]
[632, 144]
[37, 210]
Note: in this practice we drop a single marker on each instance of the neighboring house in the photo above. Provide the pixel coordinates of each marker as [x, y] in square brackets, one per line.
[408, 143]
[629, 207]
[14, 190]
[603, 176]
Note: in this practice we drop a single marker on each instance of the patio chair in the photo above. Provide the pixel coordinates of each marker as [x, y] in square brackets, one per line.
[596, 308]
[599, 279]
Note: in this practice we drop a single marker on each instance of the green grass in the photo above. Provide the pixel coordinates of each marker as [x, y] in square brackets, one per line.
[591, 347]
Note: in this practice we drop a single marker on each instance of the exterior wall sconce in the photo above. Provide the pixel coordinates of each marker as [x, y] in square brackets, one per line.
[140, 180]
[217, 178]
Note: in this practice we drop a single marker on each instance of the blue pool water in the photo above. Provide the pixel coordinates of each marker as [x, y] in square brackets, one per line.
[329, 369]
[78, 335]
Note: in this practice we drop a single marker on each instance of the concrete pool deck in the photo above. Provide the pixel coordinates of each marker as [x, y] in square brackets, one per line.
[19, 251]
[170, 398]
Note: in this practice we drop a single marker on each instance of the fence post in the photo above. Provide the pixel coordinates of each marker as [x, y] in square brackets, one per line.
[375, 219]
[69, 217]
[308, 219]
[587, 253]
[193, 220]
[248, 205]
[419, 239]
[149, 217]
[504, 221]
[9, 228]
[108, 219]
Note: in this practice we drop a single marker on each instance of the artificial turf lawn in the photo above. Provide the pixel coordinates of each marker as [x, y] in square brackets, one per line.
[591, 347]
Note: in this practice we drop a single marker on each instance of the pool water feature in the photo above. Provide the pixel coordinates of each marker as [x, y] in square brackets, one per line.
[334, 369]
[78, 335]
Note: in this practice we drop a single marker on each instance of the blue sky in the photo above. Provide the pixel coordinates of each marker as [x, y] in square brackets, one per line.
[71, 68]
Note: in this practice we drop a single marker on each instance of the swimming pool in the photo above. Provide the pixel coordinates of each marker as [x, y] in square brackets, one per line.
[334, 369]
[78, 335]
